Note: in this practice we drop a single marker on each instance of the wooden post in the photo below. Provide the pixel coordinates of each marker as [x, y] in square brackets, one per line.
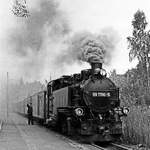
[7, 96]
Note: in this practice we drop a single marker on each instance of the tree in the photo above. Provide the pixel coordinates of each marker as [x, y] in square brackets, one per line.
[139, 42]
[20, 9]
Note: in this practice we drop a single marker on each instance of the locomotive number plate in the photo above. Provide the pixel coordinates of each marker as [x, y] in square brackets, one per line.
[101, 94]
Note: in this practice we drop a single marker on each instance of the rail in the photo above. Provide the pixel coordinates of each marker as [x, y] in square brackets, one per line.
[122, 146]
[99, 147]
[113, 146]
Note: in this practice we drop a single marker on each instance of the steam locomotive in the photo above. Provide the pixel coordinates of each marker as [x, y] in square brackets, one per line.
[85, 104]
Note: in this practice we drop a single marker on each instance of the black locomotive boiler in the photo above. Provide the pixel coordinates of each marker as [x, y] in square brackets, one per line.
[85, 104]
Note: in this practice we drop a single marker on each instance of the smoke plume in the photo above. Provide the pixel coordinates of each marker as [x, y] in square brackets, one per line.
[29, 38]
[41, 43]
[92, 51]
[88, 47]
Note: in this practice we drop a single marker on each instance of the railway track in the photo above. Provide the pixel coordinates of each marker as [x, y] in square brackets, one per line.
[113, 146]
[82, 146]
[122, 146]
[93, 146]
[99, 147]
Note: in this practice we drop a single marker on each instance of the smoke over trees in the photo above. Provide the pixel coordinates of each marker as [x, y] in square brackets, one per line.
[31, 36]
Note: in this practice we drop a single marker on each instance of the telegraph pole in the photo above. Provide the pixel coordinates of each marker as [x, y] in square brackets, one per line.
[148, 65]
[7, 96]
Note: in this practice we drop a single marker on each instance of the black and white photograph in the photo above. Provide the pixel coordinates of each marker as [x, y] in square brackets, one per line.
[74, 75]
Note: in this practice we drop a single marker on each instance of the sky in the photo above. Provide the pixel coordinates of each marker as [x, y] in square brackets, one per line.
[94, 15]
[81, 15]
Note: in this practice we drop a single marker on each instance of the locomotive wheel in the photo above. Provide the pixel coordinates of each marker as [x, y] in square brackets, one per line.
[64, 128]
[64, 123]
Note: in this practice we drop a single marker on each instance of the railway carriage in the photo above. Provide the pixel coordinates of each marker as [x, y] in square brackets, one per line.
[38, 101]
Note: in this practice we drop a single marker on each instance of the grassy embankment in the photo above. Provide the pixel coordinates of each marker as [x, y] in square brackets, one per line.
[137, 126]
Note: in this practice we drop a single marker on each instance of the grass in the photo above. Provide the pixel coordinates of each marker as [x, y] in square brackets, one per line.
[136, 126]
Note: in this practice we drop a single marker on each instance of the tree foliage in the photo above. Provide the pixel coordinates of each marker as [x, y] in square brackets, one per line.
[134, 84]
[139, 44]
[20, 9]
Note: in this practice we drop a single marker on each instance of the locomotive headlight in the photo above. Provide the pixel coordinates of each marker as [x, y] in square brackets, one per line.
[125, 110]
[79, 111]
[103, 72]
[121, 111]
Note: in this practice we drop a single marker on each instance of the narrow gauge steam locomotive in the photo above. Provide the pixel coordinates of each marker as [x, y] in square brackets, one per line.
[86, 104]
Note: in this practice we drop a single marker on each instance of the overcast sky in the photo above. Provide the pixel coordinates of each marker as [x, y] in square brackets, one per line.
[89, 15]
[93, 15]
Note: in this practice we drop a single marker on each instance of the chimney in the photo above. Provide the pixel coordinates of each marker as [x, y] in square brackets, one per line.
[95, 65]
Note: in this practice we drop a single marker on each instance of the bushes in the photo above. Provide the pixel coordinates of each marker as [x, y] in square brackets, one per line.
[135, 94]
[136, 126]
